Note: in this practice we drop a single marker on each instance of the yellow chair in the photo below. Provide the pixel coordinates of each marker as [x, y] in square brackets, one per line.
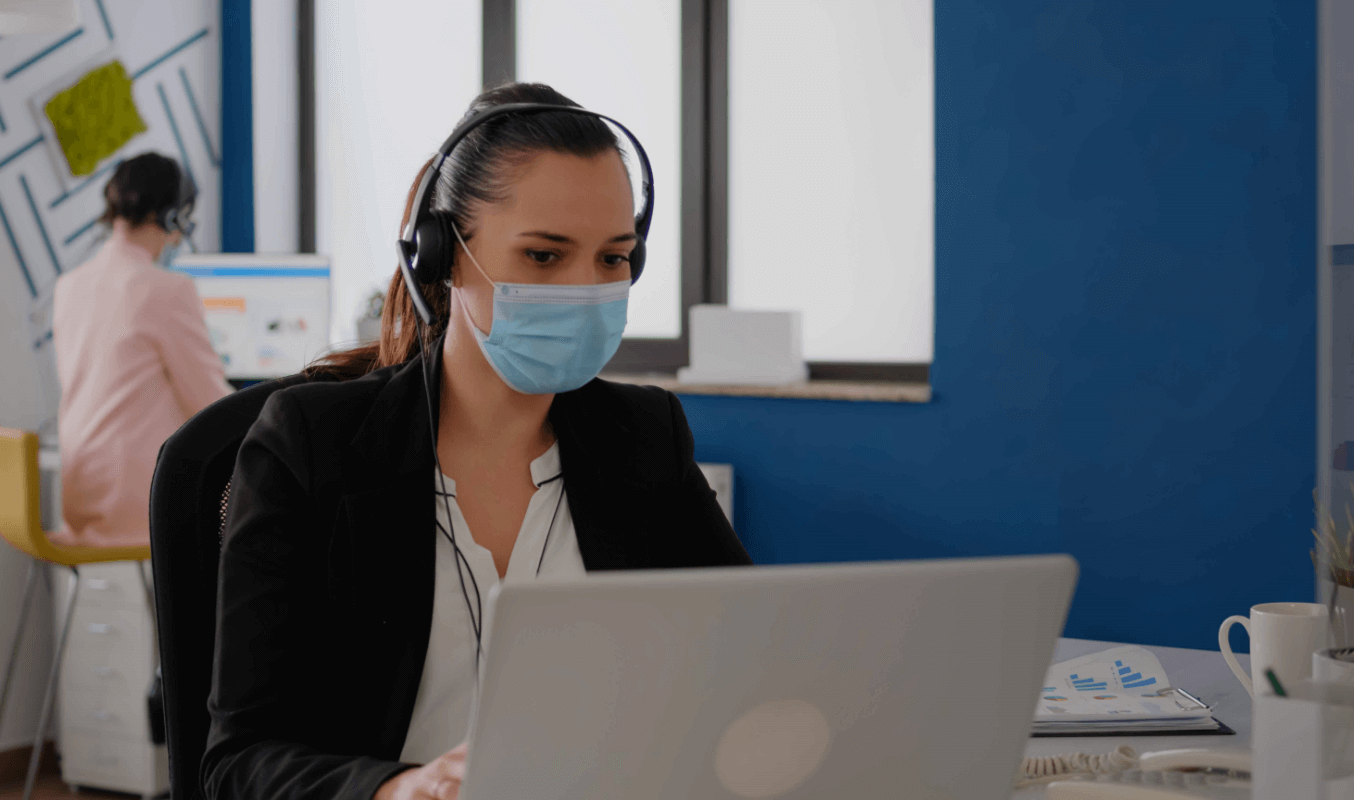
[21, 526]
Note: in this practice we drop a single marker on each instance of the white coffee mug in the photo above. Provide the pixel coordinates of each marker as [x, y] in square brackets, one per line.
[1283, 638]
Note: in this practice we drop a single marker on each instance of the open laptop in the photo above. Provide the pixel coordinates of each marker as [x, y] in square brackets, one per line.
[902, 679]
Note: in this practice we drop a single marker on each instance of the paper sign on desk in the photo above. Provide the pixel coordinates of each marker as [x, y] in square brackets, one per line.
[1122, 686]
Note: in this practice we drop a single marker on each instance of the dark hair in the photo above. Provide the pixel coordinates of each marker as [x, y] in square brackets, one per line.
[141, 187]
[479, 171]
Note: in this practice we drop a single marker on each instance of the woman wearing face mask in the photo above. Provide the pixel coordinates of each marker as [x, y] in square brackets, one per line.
[132, 355]
[372, 508]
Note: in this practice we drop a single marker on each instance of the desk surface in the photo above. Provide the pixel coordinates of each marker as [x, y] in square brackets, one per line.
[1202, 673]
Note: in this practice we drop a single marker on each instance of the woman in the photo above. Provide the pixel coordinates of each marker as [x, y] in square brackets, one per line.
[132, 355]
[353, 569]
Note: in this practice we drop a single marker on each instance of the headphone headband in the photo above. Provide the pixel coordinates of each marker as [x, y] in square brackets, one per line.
[408, 245]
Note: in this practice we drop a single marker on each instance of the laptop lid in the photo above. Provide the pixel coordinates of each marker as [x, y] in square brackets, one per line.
[904, 679]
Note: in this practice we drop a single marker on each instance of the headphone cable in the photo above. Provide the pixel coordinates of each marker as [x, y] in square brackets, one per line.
[476, 612]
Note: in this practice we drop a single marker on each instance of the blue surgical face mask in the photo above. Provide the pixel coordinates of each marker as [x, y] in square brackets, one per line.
[551, 338]
[168, 253]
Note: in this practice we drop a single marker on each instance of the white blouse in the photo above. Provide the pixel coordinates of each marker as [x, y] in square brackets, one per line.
[546, 546]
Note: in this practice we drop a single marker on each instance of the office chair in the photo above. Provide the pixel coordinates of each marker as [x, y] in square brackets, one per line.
[187, 518]
[21, 526]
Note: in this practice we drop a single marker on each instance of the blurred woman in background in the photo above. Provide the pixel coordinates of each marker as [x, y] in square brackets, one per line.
[132, 354]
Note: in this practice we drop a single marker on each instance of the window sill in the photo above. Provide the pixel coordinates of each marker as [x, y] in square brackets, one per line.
[855, 391]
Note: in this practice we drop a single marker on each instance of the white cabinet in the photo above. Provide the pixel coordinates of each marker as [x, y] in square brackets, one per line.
[110, 660]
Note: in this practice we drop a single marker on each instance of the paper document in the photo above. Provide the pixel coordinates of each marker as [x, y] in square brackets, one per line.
[1123, 687]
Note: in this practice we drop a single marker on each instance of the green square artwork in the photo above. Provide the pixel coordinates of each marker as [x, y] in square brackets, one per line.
[94, 118]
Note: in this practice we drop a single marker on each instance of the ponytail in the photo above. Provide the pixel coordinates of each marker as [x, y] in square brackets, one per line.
[400, 326]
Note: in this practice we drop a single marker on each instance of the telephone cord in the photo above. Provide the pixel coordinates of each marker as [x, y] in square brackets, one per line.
[1046, 769]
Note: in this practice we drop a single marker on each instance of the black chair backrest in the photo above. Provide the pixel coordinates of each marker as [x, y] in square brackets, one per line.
[187, 497]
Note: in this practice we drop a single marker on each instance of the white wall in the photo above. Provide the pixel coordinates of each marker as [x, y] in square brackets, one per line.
[276, 102]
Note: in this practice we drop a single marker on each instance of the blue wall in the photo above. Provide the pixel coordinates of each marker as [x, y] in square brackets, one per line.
[237, 128]
[1125, 324]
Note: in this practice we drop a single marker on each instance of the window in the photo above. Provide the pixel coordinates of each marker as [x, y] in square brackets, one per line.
[392, 80]
[831, 172]
[792, 144]
[623, 59]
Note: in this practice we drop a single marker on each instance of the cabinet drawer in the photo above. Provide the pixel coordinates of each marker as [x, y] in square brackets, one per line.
[116, 714]
[111, 584]
[84, 673]
[112, 634]
[124, 591]
[108, 763]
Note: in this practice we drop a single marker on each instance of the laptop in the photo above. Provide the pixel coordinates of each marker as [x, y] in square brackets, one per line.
[909, 679]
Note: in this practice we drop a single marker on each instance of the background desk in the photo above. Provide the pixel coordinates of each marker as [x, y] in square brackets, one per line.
[103, 730]
[1202, 673]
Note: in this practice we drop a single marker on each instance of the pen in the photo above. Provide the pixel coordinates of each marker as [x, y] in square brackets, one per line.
[1274, 681]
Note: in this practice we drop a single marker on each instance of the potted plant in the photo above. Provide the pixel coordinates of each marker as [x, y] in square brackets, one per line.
[1333, 557]
[369, 323]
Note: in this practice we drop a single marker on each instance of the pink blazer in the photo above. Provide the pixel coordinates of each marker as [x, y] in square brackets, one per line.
[135, 362]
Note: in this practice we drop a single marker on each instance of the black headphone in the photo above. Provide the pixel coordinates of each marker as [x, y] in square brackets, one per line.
[428, 244]
[175, 218]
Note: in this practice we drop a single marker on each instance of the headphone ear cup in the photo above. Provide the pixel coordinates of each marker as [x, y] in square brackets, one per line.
[637, 256]
[168, 218]
[434, 256]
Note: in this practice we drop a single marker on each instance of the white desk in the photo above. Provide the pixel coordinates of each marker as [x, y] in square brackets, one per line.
[1202, 673]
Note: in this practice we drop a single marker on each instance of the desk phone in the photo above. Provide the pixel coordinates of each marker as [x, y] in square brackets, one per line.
[1148, 785]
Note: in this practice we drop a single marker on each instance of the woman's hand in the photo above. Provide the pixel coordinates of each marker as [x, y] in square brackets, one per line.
[437, 780]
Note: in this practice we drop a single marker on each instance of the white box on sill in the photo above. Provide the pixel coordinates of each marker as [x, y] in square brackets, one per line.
[764, 348]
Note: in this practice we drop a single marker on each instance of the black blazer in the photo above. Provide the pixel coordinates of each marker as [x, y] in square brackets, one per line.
[327, 565]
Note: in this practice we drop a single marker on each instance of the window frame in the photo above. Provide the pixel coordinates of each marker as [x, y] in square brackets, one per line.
[703, 176]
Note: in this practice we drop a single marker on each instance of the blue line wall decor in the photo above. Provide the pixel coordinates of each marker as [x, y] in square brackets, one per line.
[197, 116]
[41, 54]
[42, 229]
[178, 138]
[1125, 362]
[173, 51]
[103, 15]
[69, 193]
[18, 254]
[22, 149]
[78, 232]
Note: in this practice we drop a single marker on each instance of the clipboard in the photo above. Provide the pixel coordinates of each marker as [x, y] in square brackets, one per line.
[1221, 730]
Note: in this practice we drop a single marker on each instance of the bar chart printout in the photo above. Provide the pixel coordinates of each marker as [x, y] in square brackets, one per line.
[1123, 683]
